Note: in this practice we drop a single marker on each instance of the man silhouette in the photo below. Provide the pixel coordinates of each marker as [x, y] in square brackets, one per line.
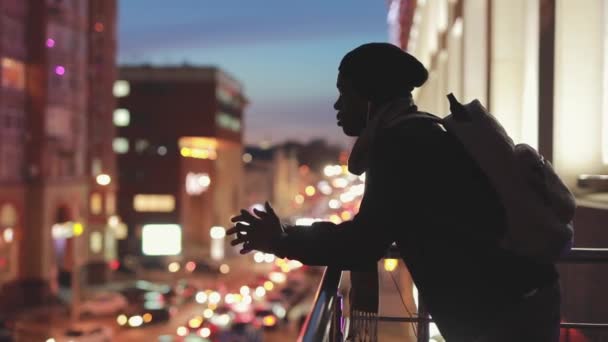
[426, 194]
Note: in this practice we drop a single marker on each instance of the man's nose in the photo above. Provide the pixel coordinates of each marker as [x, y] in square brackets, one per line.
[337, 104]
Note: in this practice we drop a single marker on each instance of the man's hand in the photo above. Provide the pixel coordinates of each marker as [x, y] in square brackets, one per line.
[257, 233]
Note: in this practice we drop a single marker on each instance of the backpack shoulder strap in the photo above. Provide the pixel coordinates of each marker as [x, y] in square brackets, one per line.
[417, 115]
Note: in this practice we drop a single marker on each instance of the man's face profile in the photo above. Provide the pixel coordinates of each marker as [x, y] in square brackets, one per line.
[351, 107]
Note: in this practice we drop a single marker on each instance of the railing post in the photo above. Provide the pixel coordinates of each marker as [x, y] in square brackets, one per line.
[422, 327]
[337, 333]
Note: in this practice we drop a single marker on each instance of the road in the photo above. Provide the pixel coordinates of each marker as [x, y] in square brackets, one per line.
[152, 332]
[242, 272]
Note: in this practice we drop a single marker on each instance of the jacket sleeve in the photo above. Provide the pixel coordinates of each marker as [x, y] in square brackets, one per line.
[389, 200]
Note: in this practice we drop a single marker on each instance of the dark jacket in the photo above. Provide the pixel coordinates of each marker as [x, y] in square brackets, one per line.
[427, 195]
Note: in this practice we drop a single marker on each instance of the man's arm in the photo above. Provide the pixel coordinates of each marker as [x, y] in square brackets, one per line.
[390, 195]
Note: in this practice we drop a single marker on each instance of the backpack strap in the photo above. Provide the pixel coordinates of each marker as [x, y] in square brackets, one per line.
[418, 115]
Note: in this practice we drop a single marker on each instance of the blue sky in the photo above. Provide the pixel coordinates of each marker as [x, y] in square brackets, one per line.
[285, 53]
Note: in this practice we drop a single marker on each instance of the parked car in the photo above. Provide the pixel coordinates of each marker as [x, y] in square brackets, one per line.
[104, 303]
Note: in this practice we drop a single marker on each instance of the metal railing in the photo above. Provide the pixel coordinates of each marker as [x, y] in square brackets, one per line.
[325, 321]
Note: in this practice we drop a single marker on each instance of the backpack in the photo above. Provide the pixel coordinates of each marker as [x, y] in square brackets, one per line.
[539, 207]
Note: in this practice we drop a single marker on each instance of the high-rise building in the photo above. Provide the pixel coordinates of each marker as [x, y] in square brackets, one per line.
[179, 146]
[57, 65]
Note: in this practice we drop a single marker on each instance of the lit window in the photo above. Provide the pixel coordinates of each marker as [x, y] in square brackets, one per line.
[8, 215]
[154, 203]
[121, 88]
[120, 145]
[95, 203]
[13, 73]
[96, 242]
[141, 145]
[110, 203]
[122, 117]
[197, 183]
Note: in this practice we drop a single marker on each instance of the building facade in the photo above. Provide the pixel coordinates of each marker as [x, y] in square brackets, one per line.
[179, 146]
[541, 67]
[44, 137]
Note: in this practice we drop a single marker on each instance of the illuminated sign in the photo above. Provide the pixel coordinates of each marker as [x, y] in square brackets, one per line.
[229, 122]
[154, 203]
[197, 183]
[161, 239]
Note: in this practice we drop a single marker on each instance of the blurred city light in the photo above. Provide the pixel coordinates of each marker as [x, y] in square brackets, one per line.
[8, 235]
[214, 297]
[268, 285]
[247, 158]
[173, 267]
[277, 277]
[135, 321]
[224, 269]
[245, 290]
[260, 291]
[103, 179]
[217, 232]
[208, 313]
[334, 204]
[190, 266]
[201, 297]
[390, 264]
[121, 319]
[310, 191]
[121, 88]
[258, 257]
[182, 331]
[161, 239]
[205, 332]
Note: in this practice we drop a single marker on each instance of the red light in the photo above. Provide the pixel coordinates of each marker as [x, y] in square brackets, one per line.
[190, 266]
[99, 27]
[114, 264]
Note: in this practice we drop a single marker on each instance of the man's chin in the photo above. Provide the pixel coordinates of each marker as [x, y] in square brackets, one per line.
[351, 132]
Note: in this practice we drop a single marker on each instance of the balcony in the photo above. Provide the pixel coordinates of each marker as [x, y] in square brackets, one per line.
[328, 320]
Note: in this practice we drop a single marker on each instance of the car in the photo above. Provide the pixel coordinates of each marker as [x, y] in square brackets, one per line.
[242, 332]
[140, 290]
[266, 318]
[84, 333]
[149, 312]
[202, 266]
[184, 291]
[104, 303]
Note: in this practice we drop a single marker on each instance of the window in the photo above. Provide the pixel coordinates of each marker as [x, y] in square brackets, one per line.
[13, 74]
[121, 88]
[120, 145]
[96, 242]
[95, 203]
[122, 117]
[154, 203]
[229, 122]
[110, 203]
[141, 145]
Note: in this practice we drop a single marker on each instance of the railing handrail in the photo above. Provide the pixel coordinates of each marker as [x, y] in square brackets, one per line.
[318, 321]
[317, 324]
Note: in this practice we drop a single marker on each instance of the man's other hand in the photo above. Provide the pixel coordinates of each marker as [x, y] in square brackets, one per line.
[256, 232]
